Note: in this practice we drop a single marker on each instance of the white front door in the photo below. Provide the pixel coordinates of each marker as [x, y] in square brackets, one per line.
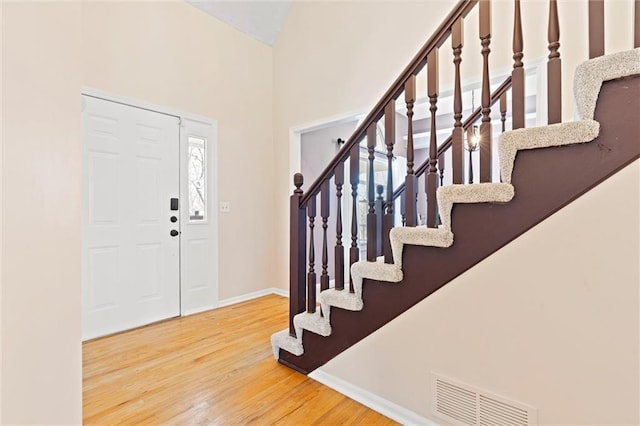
[131, 247]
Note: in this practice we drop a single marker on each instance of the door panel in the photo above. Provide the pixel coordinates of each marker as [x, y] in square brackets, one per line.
[130, 261]
[196, 276]
[103, 270]
[103, 195]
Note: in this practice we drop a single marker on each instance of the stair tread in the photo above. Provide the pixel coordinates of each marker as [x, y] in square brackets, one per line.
[542, 137]
[477, 193]
[313, 322]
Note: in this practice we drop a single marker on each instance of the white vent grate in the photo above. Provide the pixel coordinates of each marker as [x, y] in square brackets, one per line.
[456, 402]
[464, 404]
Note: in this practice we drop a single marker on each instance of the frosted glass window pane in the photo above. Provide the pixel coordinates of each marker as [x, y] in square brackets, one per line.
[197, 179]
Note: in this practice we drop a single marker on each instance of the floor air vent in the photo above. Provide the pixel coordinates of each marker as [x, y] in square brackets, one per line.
[461, 403]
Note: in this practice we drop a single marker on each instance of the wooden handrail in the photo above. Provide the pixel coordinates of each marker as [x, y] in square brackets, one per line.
[461, 9]
[495, 96]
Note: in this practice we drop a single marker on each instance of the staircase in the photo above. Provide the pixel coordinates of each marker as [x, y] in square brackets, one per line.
[465, 223]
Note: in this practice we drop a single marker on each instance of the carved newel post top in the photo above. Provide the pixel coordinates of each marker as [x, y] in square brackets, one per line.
[379, 190]
[298, 180]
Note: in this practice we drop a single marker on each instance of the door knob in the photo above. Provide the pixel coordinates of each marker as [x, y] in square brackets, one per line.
[173, 219]
[174, 233]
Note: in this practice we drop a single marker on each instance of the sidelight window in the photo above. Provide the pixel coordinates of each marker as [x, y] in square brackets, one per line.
[197, 171]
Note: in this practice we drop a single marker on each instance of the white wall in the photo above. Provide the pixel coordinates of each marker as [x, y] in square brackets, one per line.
[41, 352]
[166, 53]
[551, 320]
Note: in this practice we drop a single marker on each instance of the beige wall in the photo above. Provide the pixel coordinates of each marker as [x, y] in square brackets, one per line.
[166, 53]
[41, 353]
[333, 58]
[551, 320]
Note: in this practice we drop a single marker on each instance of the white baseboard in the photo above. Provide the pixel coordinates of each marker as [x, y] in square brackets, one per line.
[285, 293]
[280, 292]
[252, 295]
[260, 293]
[197, 310]
[375, 402]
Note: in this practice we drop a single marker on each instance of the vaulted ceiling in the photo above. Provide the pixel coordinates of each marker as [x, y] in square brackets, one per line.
[261, 19]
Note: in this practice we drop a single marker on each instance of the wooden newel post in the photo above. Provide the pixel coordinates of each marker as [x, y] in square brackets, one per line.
[297, 252]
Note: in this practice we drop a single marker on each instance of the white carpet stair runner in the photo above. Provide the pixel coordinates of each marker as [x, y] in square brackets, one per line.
[588, 79]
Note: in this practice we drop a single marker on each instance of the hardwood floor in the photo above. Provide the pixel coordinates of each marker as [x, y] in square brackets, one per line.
[211, 368]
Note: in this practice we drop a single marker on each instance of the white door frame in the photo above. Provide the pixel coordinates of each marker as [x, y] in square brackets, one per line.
[212, 182]
[295, 139]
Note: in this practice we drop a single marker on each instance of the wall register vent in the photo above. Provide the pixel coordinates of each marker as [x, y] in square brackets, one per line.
[460, 403]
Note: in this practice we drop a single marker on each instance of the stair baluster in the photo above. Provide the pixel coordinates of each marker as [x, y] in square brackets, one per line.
[554, 68]
[503, 110]
[389, 139]
[379, 209]
[298, 251]
[457, 163]
[339, 249]
[636, 23]
[371, 186]
[354, 178]
[311, 275]
[411, 184]
[517, 74]
[403, 207]
[431, 184]
[441, 166]
[596, 28]
[486, 131]
[324, 213]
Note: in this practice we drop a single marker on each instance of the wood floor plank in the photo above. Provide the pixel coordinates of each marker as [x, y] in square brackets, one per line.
[210, 368]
